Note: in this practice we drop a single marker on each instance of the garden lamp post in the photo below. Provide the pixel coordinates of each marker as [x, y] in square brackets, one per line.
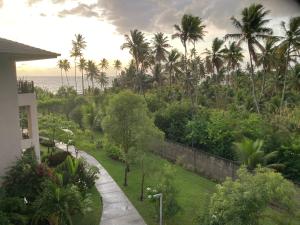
[160, 196]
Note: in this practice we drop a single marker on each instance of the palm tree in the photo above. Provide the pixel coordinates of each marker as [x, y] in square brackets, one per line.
[66, 68]
[92, 72]
[103, 80]
[252, 27]
[56, 204]
[60, 65]
[191, 29]
[104, 64]
[79, 44]
[267, 59]
[290, 44]
[233, 56]
[82, 66]
[250, 153]
[216, 54]
[173, 64]
[117, 66]
[138, 48]
[160, 45]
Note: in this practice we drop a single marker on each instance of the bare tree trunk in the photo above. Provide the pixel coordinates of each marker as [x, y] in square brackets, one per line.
[253, 82]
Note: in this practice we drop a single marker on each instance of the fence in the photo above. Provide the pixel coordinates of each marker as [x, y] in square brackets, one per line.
[196, 160]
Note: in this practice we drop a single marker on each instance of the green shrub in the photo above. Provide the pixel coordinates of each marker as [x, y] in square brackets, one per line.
[57, 158]
[113, 151]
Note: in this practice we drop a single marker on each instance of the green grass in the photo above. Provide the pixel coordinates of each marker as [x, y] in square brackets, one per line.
[93, 216]
[193, 190]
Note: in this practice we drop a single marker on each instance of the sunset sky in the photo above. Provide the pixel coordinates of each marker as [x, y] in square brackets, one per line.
[52, 24]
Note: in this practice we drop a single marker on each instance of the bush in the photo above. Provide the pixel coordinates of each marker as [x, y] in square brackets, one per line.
[113, 151]
[57, 158]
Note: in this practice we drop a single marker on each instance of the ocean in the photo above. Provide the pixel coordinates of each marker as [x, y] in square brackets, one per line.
[52, 83]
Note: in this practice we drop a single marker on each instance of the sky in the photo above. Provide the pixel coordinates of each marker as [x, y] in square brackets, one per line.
[52, 24]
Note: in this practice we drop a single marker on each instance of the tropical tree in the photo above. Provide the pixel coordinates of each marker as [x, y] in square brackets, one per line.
[267, 58]
[191, 29]
[117, 66]
[79, 44]
[104, 64]
[160, 46]
[56, 204]
[138, 47]
[290, 44]
[60, 65]
[250, 153]
[216, 54]
[92, 71]
[252, 27]
[125, 124]
[173, 64]
[82, 67]
[66, 68]
[233, 56]
[103, 80]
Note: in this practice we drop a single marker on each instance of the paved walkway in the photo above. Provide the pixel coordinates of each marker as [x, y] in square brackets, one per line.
[117, 209]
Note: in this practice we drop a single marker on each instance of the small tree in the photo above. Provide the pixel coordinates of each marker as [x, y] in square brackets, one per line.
[126, 123]
[245, 201]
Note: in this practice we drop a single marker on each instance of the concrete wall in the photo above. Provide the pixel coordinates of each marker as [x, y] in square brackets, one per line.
[201, 162]
[29, 100]
[10, 139]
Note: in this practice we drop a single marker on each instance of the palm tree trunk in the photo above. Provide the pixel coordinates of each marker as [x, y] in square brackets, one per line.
[75, 75]
[262, 91]
[92, 83]
[252, 81]
[82, 82]
[61, 76]
[284, 79]
[67, 78]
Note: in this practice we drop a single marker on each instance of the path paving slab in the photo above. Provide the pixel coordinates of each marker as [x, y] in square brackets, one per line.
[117, 209]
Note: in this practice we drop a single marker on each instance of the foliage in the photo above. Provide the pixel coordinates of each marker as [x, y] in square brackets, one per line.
[246, 200]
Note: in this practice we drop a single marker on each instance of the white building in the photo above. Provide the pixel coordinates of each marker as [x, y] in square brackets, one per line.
[14, 95]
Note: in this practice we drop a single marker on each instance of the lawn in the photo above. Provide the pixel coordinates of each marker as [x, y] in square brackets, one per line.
[193, 190]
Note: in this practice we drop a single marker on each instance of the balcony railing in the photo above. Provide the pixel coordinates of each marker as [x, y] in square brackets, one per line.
[25, 86]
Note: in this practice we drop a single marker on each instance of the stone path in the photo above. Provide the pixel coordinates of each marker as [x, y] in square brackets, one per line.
[117, 209]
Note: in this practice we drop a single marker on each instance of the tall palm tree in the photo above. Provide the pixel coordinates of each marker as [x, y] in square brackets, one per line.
[291, 44]
[66, 68]
[138, 48]
[173, 64]
[103, 80]
[191, 29]
[216, 54]
[60, 65]
[267, 59]
[82, 67]
[233, 56]
[79, 44]
[104, 64]
[160, 46]
[117, 66]
[252, 27]
[92, 72]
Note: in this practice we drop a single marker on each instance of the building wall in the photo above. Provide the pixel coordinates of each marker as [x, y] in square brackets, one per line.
[201, 162]
[29, 99]
[10, 139]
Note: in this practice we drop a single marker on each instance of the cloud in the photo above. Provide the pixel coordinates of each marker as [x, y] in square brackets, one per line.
[81, 10]
[161, 15]
[31, 2]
